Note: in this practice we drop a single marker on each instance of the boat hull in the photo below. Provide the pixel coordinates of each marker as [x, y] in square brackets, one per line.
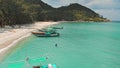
[46, 35]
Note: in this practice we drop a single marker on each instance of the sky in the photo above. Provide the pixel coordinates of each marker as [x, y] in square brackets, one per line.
[107, 8]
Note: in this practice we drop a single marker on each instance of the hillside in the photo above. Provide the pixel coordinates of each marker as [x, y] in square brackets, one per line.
[42, 5]
[72, 12]
[17, 12]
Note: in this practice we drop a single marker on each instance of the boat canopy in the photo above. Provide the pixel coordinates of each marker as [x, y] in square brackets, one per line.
[49, 30]
[24, 64]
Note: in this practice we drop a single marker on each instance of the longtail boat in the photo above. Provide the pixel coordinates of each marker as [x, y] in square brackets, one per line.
[48, 32]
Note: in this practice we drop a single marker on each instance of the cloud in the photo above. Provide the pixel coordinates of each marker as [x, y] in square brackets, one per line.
[58, 3]
[53, 3]
[104, 4]
[99, 3]
[89, 3]
[112, 14]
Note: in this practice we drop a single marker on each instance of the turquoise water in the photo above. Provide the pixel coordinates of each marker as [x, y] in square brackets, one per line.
[81, 45]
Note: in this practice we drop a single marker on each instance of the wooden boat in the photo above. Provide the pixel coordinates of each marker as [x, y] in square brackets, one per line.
[45, 34]
[57, 27]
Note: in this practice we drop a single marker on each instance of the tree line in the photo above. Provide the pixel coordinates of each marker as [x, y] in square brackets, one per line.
[16, 12]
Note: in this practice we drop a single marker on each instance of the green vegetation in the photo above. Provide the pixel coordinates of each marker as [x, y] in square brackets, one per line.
[17, 12]
[72, 12]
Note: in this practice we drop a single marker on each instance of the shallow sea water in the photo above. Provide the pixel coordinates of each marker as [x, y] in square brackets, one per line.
[80, 45]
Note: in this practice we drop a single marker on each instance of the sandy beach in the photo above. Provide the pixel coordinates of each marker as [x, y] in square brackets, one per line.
[9, 39]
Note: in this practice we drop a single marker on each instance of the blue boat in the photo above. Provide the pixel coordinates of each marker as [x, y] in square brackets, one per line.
[48, 32]
[45, 34]
[57, 27]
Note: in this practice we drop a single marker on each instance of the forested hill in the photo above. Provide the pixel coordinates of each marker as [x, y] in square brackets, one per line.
[14, 12]
[72, 12]
[42, 5]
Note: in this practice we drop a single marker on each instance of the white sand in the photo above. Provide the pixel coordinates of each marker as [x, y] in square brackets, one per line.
[8, 39]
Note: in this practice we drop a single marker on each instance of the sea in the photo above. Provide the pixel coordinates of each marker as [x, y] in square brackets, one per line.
[80, 45]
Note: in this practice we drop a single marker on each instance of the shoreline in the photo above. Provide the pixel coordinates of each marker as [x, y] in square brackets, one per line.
[7, 50]
[11, 38]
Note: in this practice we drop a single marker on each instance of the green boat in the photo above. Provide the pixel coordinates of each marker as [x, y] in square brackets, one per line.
[47, 32]
[57, 27]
